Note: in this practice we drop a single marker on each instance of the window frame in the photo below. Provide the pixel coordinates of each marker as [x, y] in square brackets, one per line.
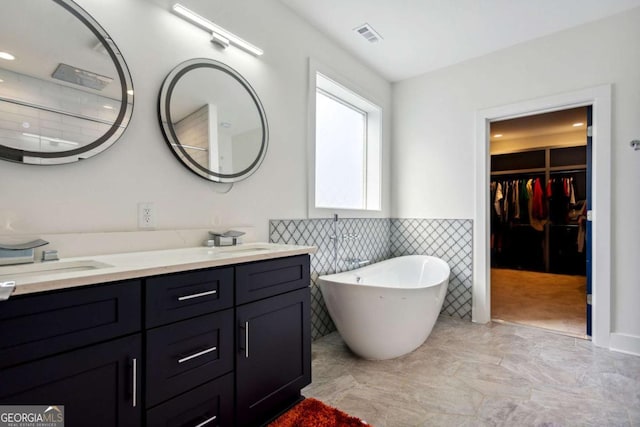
[373, 149]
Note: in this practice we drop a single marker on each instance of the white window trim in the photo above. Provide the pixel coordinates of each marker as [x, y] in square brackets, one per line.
[316, 212]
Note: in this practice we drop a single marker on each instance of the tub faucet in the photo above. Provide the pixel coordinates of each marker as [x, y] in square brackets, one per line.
[335, 238]
[356, 262]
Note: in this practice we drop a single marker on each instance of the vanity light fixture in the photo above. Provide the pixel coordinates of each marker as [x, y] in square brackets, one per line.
[497, 135]
[48, 139]
[219, 35]
[577, 125]
[219, 40]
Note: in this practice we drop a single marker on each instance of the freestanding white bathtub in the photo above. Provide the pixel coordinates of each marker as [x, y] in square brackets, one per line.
[387, 309]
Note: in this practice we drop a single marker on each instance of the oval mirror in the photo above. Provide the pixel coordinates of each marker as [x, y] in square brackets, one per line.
[213, 120]
[65, 90]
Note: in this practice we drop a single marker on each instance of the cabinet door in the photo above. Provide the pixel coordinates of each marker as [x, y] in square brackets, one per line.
[98, 385]
[273, 358]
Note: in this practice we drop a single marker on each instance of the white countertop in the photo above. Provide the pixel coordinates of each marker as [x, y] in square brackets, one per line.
[80, 271]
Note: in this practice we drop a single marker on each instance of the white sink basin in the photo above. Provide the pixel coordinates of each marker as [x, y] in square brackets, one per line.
[13, 272]
[236, 249]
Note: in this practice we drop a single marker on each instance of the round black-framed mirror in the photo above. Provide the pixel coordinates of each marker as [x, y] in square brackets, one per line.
[213, 120]
[65, 92]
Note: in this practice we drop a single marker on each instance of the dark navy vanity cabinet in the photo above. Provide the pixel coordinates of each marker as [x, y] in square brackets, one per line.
[221, 346]
[80, 348]
[273, 354]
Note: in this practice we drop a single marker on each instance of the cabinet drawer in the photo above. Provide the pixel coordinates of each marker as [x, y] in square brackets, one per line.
[209, 405]
[263, 279]
[183, 295]
[34, 326]
[187, 354]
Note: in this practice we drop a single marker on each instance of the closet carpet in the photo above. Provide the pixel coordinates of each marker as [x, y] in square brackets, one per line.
[555, 302]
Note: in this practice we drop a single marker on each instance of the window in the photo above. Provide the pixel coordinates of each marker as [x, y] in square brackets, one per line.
[347, 148]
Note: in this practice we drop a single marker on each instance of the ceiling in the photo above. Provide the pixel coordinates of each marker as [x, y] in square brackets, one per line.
[424, 35]
[42, 35]
[557, 122]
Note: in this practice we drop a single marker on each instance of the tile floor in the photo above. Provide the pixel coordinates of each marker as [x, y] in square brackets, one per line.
[482, 375]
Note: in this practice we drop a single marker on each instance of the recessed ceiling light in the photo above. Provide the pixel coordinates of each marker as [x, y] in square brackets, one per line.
[107, 107]
[130, 92]
[577, 125]
[7, 56]
[497, 135]
[1, 81]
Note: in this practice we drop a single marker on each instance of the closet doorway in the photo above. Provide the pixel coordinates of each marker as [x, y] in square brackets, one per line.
[539, 190]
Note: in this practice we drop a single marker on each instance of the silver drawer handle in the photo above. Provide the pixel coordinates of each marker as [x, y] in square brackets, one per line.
[201, 294]
[204, 423]
[246, 339]
[200, 353]
[134, 402]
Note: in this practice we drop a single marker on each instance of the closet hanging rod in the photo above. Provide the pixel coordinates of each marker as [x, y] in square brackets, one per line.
[532, 171]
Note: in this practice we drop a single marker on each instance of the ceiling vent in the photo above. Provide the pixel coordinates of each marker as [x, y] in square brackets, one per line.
[367, 31]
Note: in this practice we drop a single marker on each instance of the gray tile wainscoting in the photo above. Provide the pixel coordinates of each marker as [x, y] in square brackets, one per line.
[448, 239]
[377, 239]
[371, 243]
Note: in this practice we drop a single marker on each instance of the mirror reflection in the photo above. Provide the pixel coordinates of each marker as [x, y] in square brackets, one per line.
[213, 120]
[65, 91]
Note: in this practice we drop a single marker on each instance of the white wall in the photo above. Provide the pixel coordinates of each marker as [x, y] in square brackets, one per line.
[101, 193]
[433, 161]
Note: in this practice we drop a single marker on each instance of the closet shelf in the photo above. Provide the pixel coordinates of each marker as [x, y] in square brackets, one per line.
[519, 171]
[568, 169]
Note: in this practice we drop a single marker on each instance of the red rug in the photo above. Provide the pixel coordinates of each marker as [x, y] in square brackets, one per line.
[313, 413]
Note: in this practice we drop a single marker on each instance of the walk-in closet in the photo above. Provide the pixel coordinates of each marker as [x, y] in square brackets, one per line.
[538, 200]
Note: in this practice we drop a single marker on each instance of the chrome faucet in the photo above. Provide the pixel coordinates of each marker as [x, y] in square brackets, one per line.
[337, 238]
[228, 238]
[51, 255]
[356, 262]
[6, 289]
[20, 253]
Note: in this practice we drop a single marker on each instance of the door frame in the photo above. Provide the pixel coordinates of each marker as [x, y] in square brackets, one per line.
[600, 98]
